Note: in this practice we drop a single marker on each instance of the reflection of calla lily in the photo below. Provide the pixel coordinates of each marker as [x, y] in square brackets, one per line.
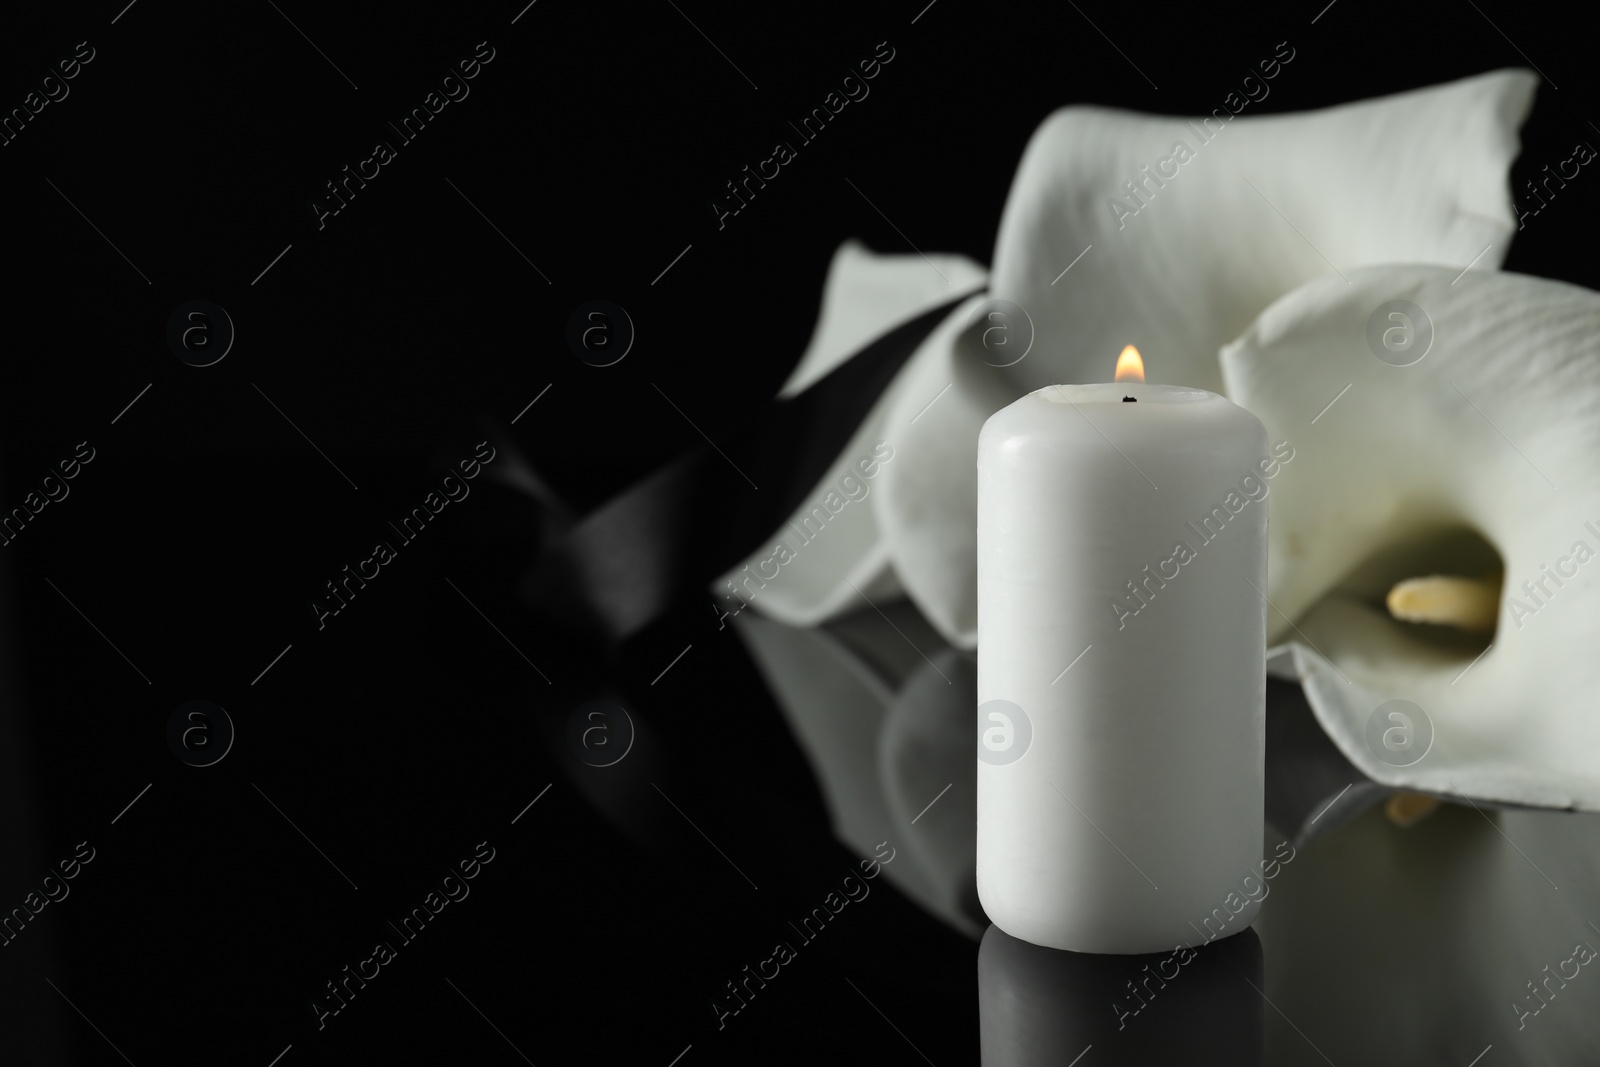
[1416, 177]
[886, 736]
[1475, 460]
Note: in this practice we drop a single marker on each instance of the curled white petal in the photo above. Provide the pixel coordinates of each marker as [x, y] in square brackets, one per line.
[834, 552]
[867, 293]
[926, 502]
[1264, 205]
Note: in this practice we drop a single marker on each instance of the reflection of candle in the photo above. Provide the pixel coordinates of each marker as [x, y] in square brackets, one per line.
[1121, 663]
[1038, 1006]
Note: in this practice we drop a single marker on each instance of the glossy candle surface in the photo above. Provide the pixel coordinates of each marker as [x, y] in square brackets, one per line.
[1122, 564]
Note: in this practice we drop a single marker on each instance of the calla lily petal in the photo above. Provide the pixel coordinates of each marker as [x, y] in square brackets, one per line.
[926, 501]
[867, 293]
[1486, 437]
[821, 576]
[1415, 177]
[1267, 204]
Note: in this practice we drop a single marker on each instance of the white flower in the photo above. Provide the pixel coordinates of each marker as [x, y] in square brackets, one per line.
[1415, 177]
[830, 561]
[1478, 457]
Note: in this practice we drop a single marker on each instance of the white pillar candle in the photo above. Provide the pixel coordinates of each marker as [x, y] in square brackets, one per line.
[1122, 564]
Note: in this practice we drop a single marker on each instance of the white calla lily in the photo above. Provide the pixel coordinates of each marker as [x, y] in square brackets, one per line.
[1419, 176]
[1443, 423]
[834, 559]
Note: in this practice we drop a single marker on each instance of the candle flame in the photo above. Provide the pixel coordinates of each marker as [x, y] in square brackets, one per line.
[1130, 367]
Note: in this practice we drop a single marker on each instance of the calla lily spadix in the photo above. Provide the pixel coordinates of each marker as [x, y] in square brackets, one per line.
[1477, 460]
[1415, 177]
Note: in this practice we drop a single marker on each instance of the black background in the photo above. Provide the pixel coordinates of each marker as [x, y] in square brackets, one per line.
[396, 337]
